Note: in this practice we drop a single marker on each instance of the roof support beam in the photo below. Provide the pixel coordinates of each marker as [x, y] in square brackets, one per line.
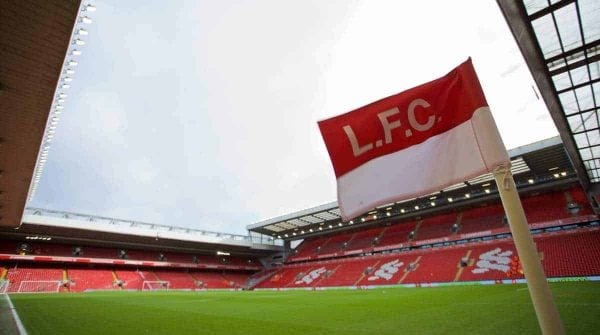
[516, 16]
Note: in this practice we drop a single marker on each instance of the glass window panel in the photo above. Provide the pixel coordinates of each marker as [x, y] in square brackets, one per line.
[594, 137]
[561, 81]
[590, 120]
[568, 26]
[534, 6]
[595, 70]
[596, 152]
[568, 102]
[585, 153]
[584, 97]
[596, 87]
[575, 123]
[547, 36]
[580, 75]
[581, 140]
[590, 19]
[588, 165]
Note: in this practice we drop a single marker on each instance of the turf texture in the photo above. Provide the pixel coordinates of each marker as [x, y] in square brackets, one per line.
[496, 309]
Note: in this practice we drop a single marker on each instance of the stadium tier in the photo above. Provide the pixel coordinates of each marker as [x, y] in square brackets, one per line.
[540, 209]
[91, 254]
[564, 253]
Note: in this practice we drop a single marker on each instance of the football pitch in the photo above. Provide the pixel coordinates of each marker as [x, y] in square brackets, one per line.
[495, 309]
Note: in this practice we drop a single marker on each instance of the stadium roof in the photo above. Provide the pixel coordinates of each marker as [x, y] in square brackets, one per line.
[538, 165]
[560, 41]
[34, 38]
[68, 227]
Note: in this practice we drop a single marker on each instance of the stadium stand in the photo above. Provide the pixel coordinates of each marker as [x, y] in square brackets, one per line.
[212, 280]
[575, 253]
[396, 234]
[17, 275]
[483, 218]
[435, 227]
[364, 239]
[130, 279]
[308, 248]
[236, 279]
[335, 244]
[436, 266]
[472, 244]
[177, 279]
[494, 259]
[347, 274]
[81, 280]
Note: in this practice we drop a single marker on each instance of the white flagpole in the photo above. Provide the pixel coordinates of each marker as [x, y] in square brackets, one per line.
[543, 303]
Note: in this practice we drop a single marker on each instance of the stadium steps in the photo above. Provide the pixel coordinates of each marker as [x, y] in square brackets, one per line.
[193, 279]
[458, 223]
[154, 275]
[116, 278]
[324, 243]
[380, 236]
[416, 230]
[3, 273]
[460, 268]
[226, 280]
[65, 279]
[406, 272]
[363, 275]
[259, 277]
[346, 244]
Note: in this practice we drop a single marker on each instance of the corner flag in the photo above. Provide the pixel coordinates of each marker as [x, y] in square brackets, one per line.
[421, 141]
[413, 143]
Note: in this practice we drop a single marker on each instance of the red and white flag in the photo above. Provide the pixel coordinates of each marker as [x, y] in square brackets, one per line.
[413, 143]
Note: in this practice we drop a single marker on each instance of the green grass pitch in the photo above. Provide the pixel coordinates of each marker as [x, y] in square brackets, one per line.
[497, 309]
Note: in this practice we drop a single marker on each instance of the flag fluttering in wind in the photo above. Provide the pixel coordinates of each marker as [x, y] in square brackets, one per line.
[413, 143]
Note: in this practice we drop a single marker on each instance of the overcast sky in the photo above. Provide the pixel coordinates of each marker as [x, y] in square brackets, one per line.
[203, 113]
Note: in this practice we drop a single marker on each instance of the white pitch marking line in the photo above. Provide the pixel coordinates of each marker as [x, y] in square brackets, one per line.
[20, 327]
